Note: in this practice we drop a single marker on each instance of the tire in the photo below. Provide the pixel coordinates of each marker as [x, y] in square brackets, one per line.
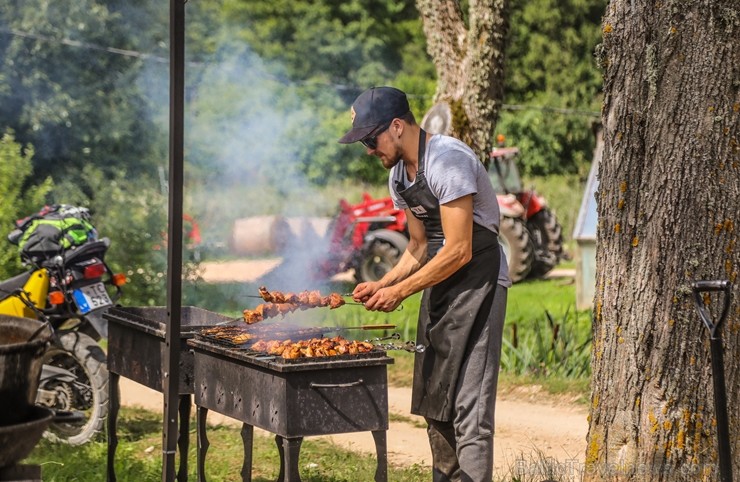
[380, 256]
[547, 236]
[82, 356]
[514, 238]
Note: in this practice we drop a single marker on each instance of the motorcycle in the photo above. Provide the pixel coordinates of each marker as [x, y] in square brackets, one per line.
[70, 290]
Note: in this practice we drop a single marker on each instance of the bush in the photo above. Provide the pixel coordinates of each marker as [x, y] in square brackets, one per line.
[19, 197]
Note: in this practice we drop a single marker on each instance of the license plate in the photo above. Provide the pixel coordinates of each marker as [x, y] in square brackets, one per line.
[91, 298]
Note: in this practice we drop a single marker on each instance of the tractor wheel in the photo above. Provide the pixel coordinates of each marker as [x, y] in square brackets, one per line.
[514, 238]
[380, 256]
[547, 237]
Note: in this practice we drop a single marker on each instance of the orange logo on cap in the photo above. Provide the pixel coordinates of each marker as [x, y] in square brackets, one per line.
[352, 113]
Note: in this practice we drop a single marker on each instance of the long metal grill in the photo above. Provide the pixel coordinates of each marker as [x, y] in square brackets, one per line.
[291, 398]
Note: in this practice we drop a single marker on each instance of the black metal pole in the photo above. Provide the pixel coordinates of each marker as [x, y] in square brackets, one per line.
[718, 369]
[171, 370]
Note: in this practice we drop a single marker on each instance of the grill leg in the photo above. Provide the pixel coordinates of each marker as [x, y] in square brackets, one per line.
[381, 448]
[183, 439]
[202, 413]
[289, 449]
[114, 397]
[247, 441]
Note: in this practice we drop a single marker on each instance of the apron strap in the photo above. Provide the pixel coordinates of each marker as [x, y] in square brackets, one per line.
[400, 184]
[422, 150]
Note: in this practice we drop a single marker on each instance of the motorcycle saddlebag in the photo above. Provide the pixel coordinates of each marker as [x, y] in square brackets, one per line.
[54, 232]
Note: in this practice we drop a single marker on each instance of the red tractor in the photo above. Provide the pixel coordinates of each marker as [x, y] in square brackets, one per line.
[368, 237]
[529, 232]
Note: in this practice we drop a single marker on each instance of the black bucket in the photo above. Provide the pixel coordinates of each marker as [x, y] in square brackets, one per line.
[17, 441]
[22, 344]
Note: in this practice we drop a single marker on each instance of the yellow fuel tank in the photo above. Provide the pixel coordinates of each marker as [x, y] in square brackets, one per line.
[36, 288]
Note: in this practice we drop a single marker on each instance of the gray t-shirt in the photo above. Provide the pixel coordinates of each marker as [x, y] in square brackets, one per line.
[452, 171]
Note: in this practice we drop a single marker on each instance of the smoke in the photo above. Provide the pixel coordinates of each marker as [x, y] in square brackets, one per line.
[246, 131]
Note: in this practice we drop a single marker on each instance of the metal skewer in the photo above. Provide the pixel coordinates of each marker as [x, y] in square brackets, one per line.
[394, 336]
[399, 308]
[368, 327]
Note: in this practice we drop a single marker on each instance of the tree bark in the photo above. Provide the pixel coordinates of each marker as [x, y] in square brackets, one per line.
[470, 64]
[668, 206]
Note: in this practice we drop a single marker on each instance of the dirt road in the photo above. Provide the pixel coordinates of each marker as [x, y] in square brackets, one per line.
[528, 426]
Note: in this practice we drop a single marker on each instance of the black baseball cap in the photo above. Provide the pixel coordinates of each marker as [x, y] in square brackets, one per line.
[373, 108]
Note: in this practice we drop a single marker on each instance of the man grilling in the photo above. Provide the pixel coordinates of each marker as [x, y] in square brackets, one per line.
[453, 255]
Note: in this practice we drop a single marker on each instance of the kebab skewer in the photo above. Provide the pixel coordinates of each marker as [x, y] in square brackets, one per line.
[278, 303]
[311, 299]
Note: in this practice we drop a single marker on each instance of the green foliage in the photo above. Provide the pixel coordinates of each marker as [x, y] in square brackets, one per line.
[551, 143]
[550, 348]
[550, 64]
[356, 42]
[544, 336]
[18, 197]
[325, 53]
[64, 93]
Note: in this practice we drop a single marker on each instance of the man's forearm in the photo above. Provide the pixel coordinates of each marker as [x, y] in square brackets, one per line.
[412, 259]
[448, 260]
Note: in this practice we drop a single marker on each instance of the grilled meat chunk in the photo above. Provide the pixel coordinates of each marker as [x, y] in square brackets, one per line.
[312, 348]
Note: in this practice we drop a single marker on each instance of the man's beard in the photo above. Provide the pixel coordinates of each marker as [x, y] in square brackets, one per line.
[391, 162]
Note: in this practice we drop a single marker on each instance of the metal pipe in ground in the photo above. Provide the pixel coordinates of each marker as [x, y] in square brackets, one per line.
[718, 368]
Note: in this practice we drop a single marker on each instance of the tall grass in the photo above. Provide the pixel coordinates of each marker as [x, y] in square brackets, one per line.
[536, 466]
[552, 348]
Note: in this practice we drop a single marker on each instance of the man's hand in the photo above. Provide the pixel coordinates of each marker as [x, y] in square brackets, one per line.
[364, 291]
[384, 299]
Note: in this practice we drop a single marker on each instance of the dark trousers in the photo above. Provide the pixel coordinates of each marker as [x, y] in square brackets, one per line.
[462, 449]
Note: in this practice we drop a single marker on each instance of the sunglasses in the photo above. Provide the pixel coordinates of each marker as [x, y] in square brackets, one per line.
[371, 141]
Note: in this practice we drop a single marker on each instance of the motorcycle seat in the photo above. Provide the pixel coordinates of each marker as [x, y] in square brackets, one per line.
[9, 286]
[100, 246]
[93, 248]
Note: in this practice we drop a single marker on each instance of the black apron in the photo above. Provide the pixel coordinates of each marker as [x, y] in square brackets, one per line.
[454, 311]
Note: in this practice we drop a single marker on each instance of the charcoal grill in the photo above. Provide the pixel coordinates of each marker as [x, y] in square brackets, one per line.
[136, 350]
[290, 398]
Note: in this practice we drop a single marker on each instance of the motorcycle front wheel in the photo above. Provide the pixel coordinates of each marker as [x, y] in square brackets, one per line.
[88, 393]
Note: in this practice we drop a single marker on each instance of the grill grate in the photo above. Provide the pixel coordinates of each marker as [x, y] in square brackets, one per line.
[243, 336]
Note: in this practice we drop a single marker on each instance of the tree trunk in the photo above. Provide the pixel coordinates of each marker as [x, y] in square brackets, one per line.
[669, 205]
[470, 65]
